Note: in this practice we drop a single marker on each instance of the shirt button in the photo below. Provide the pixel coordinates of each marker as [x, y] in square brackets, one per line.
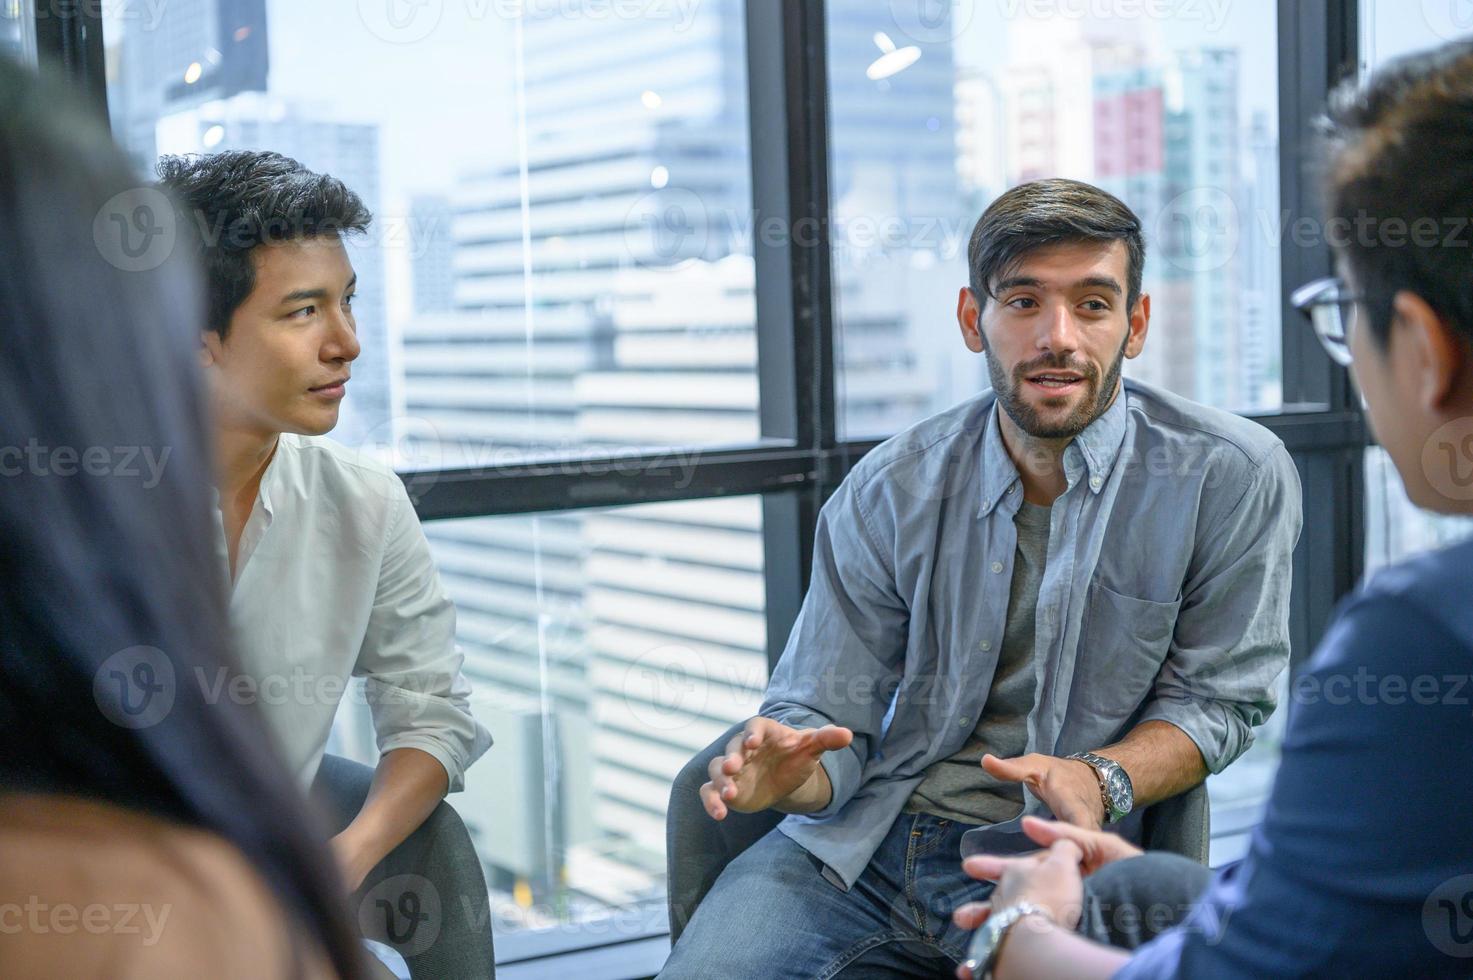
[1013, 488]
[985, 645]
[962, 723]
[996, 567]
[1095, 482]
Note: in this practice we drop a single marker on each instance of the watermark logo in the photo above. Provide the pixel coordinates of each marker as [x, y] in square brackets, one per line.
[136, 231]
[407, 444]
[930, 21]
[1199, 229]
[1448, 19]
[403, 911]
[1447, 459]
[134, 688]
[401, 21]
[667, 226]
[664, 686]
[1447, 917]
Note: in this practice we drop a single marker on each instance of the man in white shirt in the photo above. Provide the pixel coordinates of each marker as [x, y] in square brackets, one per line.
[330, 573]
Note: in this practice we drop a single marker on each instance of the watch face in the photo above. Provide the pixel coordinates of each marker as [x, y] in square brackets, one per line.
[1118, 786]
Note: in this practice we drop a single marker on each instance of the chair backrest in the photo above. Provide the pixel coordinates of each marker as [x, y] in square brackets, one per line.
[697, 848]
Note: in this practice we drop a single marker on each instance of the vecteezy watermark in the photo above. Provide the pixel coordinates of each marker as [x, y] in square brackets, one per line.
[137, 230]
[136, 14]
[931, 21]
[128, 462]
[1199, 229]
[1447, 459]
[411, 21]
[403, 911]
[1447, 916]
[135, 688]
[1212, 13]
[40, 917]
[665, 686]
[1448, 19]
[1366, 688]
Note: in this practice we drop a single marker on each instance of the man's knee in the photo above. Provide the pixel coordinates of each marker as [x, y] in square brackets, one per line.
[1132, 901]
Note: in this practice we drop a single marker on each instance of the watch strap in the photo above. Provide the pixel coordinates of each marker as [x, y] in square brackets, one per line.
[989, 939]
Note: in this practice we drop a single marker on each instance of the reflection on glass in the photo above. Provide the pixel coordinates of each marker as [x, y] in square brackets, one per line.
[17, 30]
[1395, 527]
[605, 649]
[561, 257]
[1176, 116]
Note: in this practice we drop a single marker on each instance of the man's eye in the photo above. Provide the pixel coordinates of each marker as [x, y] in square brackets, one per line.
[1021, 299]
[303, 313]
[348, 300]
[1096, 306]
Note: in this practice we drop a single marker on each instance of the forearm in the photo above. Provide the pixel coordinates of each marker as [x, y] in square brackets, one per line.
[1160, 759]
[1039, 950]
[407, 786]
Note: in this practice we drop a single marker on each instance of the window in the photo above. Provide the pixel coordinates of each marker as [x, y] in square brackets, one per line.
[558, 262]
[17, 29]
[605, 648]
[1395, 527]
[937, 108]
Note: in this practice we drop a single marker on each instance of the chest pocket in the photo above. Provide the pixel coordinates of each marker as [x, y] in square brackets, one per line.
[1123, 643]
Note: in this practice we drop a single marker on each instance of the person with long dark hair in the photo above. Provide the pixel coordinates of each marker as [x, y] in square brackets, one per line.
[146, 827]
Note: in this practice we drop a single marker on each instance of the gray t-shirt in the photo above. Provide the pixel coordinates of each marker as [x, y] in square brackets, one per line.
[958, 788]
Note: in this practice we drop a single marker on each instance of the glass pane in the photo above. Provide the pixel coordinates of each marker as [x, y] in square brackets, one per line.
[1397, 528]
[606, 648]
[17, 30]
[553, 267]
[937, 108]
[1390, 28]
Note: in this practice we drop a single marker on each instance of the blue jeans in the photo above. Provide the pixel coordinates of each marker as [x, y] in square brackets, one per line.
[773, 914]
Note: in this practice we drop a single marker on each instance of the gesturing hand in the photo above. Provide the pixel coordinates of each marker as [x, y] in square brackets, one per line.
[1097, 847]
[1049, 879]
[1068, 787]
[767, 764]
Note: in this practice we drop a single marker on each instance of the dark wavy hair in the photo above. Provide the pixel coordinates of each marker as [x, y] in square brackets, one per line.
[1047, 212]
[240, 199]
[1400, 158]
[100, 556]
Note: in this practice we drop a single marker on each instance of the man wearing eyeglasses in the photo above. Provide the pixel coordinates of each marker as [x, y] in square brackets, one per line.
[1363, 865]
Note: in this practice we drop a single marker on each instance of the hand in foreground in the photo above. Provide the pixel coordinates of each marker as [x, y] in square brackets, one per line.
[1068, 787]
[1049, 879]
[767, 764]
[1097, 847]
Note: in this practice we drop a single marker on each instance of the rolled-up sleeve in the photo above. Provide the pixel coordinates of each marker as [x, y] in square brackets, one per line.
[411, 667]
[1231, 640]
[843, 656]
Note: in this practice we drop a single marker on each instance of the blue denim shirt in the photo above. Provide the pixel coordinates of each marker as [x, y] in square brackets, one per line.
[1166, 596]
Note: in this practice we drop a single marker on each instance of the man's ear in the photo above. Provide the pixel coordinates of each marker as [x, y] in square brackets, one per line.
[1140, 322]
[969, 318]
[1439, 360]
[209, 348]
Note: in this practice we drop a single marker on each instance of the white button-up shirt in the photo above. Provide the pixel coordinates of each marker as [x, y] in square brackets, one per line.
[334, 580]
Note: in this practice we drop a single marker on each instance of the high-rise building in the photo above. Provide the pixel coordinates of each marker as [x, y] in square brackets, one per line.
[201, 51]
[619, 312]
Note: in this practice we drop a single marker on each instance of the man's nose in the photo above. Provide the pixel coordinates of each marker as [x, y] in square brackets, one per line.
[1062, 333]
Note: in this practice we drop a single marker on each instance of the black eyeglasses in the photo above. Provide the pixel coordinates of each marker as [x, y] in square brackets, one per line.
[1330, 306]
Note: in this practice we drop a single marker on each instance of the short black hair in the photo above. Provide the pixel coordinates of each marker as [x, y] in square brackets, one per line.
[1399, 154]
[240, 199]
[1048, 212]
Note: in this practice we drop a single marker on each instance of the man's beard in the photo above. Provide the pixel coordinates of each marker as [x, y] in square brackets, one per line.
[1092, 406]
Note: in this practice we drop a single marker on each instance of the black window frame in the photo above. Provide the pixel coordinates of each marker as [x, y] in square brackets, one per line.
[799, 459]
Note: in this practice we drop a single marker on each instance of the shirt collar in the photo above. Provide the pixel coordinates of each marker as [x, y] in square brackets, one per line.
[1098, 445]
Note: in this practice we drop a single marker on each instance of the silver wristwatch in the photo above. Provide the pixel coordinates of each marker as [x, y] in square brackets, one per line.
[1115, 788]
[982, 956]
